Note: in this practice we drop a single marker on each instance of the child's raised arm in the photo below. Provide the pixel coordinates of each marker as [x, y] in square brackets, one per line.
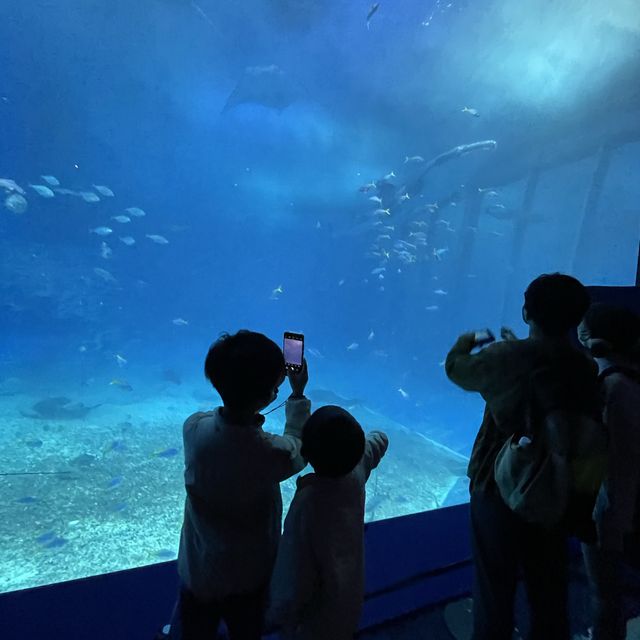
[375, 448]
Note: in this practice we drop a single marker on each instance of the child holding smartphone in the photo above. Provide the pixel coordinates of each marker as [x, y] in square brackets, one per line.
[233, 507]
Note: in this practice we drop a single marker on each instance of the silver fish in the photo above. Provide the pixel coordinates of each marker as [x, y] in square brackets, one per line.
[43, 191]
[136, 212]
[89, 196]
[103, 191]
[101, 231]
[156, 238]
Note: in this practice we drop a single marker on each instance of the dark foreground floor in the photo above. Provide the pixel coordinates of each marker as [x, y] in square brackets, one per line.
[452, 621]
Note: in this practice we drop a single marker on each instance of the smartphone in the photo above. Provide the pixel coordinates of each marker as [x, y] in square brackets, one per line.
[484, 337]
[293, 351]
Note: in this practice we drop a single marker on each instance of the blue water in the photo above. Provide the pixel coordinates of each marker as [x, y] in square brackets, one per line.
[264, 194]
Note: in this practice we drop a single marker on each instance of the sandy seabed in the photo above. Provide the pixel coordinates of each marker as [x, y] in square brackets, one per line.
[118, 502]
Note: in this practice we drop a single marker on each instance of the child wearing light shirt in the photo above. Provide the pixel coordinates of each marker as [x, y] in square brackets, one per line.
[233, 507]
[317, 589]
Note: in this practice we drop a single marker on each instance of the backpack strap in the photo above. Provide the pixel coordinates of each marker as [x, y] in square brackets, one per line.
[628, 372]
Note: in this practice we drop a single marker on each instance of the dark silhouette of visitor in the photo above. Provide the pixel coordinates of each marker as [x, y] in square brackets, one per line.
[612, 335]
[503, 543]
[233, 507]
[318, 582]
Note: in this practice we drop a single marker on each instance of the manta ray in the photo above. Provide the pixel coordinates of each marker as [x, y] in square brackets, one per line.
[58, 408]
[268, 86]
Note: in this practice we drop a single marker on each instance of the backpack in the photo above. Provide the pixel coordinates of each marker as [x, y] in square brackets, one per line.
[550, 471]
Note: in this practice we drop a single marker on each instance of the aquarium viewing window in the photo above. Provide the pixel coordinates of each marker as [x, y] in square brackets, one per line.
[174, 169]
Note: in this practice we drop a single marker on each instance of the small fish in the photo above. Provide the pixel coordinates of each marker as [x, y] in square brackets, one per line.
[43, 191]
[56, 543]
[417, 234]
[382, 212]
[46, 537]
[376, 199]
[384, 236]
[471, 112]
[405, 197]
[433, 307]
[378, 270]
[121, 219]
[118, 445]
[446, 224]
[105, 251]
[165, 554]
[403, 393]
[136, 212]
[353, 346]
[440, 292]
[166, 453]
[314, 352]
[66, 192]
[438, 253]
[101, 231]
[89, 196]
[377, 223]
[431, 208]
[119, 507]
[156, 238]
[413, 159]
[318, 225]
[115, 482]
[103, 191]
[180, 322]
[51, 180]
[104, 274]
[371, 336]
[341, 282]
[10, 185]
[367, 187]
[128, 240]
[386, 254]
[27, 500]
[120, 360]
[121, 384]
[390, 176]
[497, 234]
[277, 292]
[389, 227]
[16, 203]
[372, 11]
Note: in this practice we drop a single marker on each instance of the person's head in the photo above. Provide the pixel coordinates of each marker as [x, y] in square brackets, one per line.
[609, 330]
[246, 369]
[554, 304]
[332, 442]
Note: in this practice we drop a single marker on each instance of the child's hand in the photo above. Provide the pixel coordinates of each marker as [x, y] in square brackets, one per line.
[507, 334]
[298, 380]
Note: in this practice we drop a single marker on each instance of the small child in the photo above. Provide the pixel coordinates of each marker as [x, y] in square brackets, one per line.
[233, 508]
[317, 589]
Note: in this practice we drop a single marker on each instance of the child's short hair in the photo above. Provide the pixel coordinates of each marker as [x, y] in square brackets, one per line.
[244, 368]
[617, 326]
[332, 441]
[556, 303]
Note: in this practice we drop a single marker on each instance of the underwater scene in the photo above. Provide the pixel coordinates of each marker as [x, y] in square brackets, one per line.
[378, 176]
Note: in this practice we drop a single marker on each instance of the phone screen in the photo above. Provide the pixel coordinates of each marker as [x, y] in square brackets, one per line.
[293, 350]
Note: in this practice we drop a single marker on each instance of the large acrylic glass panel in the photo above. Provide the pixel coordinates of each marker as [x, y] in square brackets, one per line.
[173, 169]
